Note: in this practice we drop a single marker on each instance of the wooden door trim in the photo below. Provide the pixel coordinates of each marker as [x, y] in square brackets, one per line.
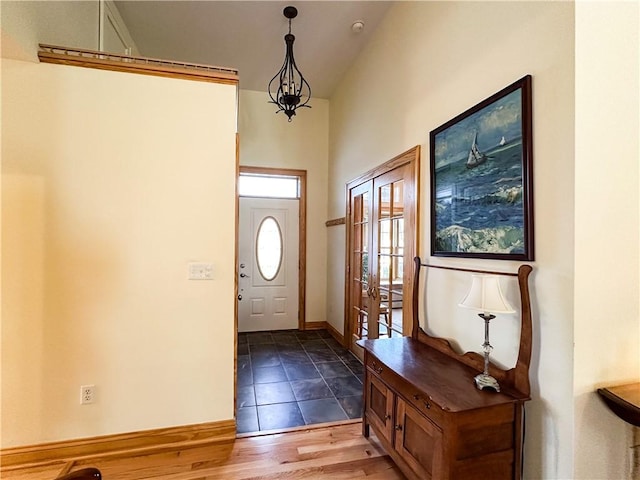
[411, 157]
[398, 161]
[302, 232]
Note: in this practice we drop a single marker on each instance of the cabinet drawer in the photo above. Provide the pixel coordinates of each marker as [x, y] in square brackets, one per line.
[425, 405]
[375, 365]
[420, 400]
[383, 372]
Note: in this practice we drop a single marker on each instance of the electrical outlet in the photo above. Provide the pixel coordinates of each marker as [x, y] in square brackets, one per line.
[87, 394]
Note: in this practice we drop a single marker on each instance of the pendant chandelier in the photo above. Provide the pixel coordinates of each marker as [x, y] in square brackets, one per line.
[288, 89]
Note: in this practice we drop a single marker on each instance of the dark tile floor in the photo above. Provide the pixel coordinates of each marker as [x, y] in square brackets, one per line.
[288, 378]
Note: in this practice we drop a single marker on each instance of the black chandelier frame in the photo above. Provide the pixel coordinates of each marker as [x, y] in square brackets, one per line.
[288, 88]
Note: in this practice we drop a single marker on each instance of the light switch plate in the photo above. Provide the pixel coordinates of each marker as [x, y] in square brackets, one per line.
[200, 271]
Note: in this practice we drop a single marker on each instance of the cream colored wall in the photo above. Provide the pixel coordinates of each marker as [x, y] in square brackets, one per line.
[428, 62]
[75, 23]
[25, 24]
[111, 184]
[607, 218]
[268, 140]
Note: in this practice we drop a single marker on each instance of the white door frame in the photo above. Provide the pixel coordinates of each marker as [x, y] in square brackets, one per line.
[302, 235]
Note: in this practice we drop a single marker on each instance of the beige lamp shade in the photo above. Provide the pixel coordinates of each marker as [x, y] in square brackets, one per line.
[486, 296]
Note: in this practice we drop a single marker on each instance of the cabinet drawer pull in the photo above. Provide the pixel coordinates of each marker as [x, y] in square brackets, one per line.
[399, 428]
[427, 405]
[416, 396]
[387, 417]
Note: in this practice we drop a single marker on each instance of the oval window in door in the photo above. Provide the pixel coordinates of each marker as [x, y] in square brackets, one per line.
[269, 248]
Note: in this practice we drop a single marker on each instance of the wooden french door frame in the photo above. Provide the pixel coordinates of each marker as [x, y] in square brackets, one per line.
[302, 234]
[410, 158]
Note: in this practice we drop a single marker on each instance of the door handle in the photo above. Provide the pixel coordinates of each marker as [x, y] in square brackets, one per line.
[243, 275]
[239, 297]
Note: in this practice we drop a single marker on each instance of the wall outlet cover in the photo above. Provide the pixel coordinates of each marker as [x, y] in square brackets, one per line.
[87, 394]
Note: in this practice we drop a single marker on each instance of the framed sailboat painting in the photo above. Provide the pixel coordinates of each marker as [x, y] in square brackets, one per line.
[482, 179]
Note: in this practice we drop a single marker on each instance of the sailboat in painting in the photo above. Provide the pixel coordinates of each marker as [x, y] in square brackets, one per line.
[475, 156]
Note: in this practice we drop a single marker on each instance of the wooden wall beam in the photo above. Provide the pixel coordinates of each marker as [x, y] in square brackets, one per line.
[147, 66]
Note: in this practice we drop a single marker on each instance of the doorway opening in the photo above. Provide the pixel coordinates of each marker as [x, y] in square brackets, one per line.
[286, 376]
[271, 249]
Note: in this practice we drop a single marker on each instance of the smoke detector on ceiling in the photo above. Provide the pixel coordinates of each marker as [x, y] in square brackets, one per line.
[357, 26]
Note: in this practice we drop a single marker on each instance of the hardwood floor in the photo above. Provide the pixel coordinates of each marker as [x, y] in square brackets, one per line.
[331, 452]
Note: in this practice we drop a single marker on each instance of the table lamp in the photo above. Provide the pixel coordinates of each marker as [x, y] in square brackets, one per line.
[486, 296]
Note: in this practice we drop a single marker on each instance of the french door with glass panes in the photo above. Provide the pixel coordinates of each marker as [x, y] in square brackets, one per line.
[381, 239]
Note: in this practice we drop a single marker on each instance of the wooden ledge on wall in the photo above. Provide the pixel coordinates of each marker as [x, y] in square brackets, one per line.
[335, 221]
[127, 63]
[152, 441]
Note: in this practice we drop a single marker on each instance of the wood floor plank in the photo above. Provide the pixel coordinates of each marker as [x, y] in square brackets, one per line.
[334, 452]
[332, 446]
[40, 472]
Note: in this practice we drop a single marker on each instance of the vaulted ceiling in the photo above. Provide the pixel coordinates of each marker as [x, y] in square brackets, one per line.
[248, 36]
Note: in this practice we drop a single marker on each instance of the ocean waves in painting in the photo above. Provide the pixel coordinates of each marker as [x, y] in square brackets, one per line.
[487, 240]
[481, 210]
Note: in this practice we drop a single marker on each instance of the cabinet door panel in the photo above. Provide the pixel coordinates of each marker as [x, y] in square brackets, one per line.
[418, 441]
[379, 406]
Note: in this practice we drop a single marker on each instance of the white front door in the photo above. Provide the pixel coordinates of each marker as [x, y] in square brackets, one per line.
[268, 264]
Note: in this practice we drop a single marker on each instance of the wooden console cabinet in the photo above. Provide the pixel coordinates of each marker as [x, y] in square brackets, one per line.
[421, 400]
